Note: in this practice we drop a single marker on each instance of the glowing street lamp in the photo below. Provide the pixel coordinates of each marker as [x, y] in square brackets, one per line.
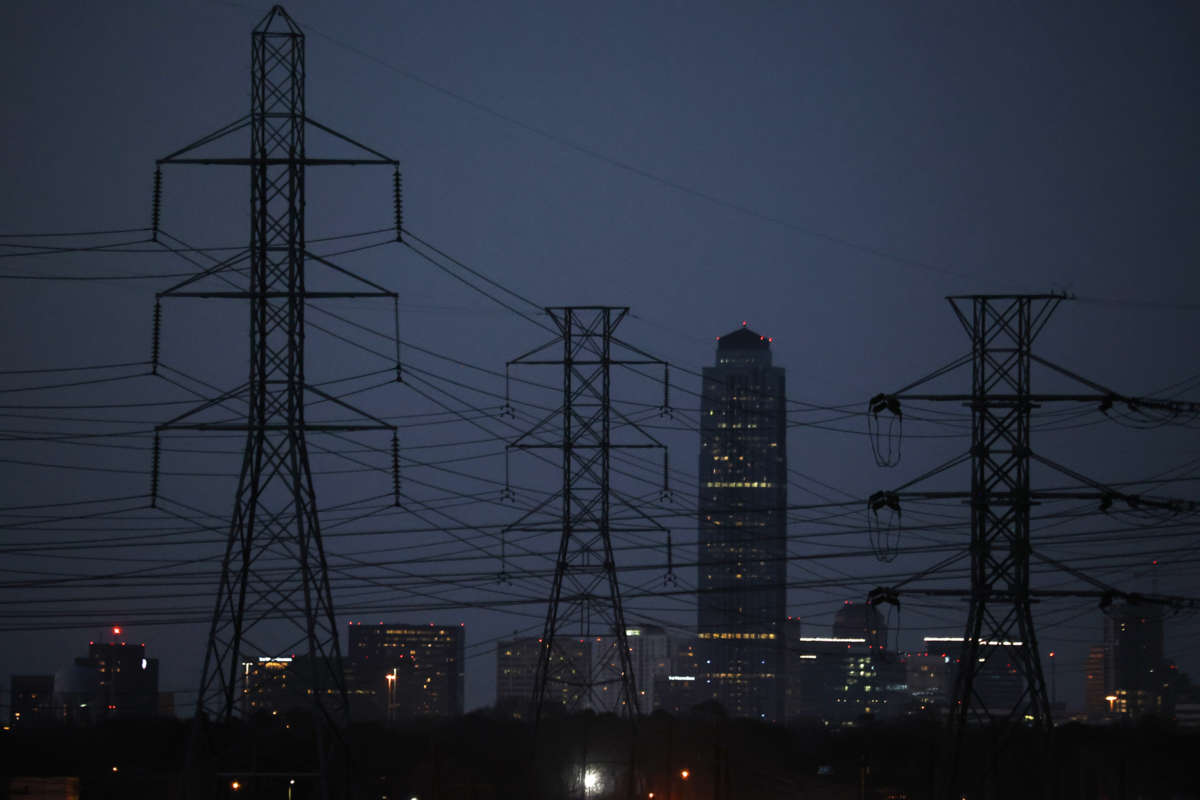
[683, 773]
[1112, 698]
[391, 694]
[591, 781]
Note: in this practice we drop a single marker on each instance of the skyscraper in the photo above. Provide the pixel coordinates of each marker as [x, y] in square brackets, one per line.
[1137, 668]
[742, 522]
[862, 619]
[128, 680]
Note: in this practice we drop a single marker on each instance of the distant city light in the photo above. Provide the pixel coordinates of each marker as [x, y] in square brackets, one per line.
[988, 642]
[683, 773]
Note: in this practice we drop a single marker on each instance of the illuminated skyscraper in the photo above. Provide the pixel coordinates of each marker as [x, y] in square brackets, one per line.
[743, 526]
[270, 685]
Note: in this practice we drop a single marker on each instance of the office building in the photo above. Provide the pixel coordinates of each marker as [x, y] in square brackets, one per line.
[842, 680]
[998, 684]
[77, 693]
[1097, 684]
[582, 659]
[861, 620]
[742, 528]
[400, 671]
[683, 687]
[1137, 674]
[516, 675]
[31, 700]
[650, 650]
[270, 686]
[127, 679]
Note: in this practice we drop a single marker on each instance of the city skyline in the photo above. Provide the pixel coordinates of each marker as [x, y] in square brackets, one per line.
[1027, 192]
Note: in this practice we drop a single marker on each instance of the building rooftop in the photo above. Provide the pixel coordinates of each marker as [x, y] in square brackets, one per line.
[743, 339]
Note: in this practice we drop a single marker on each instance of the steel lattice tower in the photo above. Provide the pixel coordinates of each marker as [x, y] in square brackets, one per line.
[585, 592]
[275, 506]
[275, 519]
[1000, 624]
[1002, 330]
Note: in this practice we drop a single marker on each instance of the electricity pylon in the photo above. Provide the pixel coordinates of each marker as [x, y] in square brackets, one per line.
[585, 598]
[1000, 625]
[275, 520]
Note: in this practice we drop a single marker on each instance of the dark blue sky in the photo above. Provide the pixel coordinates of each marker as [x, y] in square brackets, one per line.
[828, 172]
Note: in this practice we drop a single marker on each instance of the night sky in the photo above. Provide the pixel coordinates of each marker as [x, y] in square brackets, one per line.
[826, 172]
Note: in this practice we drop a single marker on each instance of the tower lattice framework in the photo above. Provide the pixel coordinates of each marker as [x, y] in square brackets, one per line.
[1000, 633]
[1000, 617]
[274, 577]
[585, 598]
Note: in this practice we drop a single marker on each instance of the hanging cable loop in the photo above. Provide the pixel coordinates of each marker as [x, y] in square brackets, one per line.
[885, 446]
[884, 534]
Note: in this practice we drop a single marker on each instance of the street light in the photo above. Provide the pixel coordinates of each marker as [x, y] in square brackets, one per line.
[683, 773]
[1053, 680]
[591, 781]
[391, 694]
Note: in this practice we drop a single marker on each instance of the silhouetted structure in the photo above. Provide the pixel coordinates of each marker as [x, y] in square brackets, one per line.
[579, 659]
[742, 527]
[31, 700]
[398, 671]
[128, 680]
[275, 508]
[270, 686]
[1000, 683]
[1097, 683]
[1137, 669]
[585, 598]
[862, 620]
